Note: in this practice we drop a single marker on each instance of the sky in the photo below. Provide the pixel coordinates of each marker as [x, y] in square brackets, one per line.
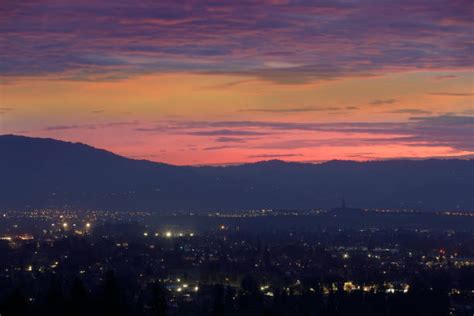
[221, 82]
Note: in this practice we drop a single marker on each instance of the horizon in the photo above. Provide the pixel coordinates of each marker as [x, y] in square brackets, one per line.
[229, 164]
[214, 83]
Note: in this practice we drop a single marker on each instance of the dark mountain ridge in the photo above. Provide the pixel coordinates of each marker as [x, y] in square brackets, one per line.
[41, 172]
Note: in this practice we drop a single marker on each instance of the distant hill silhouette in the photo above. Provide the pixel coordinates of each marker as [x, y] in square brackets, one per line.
[37, 172]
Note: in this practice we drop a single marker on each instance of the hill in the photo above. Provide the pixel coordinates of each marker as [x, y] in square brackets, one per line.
[38, 172]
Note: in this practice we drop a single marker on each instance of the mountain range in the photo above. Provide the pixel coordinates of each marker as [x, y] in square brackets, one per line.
[41, 172]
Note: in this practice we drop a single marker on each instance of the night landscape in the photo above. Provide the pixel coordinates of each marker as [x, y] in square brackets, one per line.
[270, 157]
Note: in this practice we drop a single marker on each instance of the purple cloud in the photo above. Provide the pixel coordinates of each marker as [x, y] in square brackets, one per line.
[89, 126]
[453, 131]
[270, 156]
[289, 42]
[227, 132]
[230, 140]
[217, 147]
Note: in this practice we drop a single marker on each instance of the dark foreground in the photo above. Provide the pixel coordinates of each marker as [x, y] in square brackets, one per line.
[252, 263]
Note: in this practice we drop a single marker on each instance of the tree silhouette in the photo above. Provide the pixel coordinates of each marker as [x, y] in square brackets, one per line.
[54, 302]
[15, 304]
[79, 300]
[112, 304]
[158, 304]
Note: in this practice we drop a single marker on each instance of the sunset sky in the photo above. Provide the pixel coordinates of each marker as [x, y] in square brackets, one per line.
[217, 82]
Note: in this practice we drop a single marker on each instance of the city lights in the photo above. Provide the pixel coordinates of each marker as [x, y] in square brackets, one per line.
[287, 250]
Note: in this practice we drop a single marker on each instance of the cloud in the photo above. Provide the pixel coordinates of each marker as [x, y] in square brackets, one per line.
[230, 140]
[409, 111]
[291, 110]
[382, 101]
[272, 127]
[454, 131]
[265, 156]
[227, 132]
[446, 120]
[89, 126]
[216, 148]
[156, 129]
[227, 85]
[281, 64]
[292, 42]
[67, 127]
[445, 77]
[453, 94]
[5, 110]
[468, 111]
